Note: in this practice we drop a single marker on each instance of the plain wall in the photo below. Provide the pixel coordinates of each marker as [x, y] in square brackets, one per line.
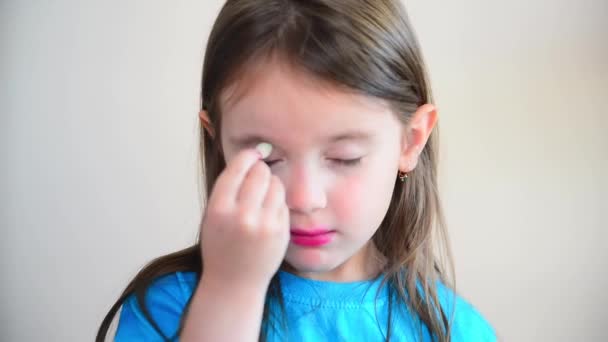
[99, 102]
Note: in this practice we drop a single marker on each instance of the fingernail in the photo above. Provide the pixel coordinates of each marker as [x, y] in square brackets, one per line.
[264, 149]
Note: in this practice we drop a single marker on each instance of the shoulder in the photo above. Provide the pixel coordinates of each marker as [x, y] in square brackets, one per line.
[178, 285]
[165, 300]
[468, 324]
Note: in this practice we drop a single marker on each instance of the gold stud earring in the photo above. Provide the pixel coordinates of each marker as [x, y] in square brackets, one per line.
[402, 176]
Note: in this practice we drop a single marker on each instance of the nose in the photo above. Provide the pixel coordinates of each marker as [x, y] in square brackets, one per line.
[305, 191]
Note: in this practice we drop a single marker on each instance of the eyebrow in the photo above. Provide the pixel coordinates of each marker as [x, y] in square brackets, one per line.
[249, 140]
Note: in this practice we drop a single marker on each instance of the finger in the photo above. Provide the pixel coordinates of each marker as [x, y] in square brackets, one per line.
[229, 181]
[284, 218]
[275, 197]
[276, 222]
[254, 187]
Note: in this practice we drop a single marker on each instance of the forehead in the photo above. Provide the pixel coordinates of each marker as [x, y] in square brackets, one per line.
[278, 101]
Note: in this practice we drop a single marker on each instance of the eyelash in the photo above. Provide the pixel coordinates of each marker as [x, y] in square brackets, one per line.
[340, 162]
[347, 162]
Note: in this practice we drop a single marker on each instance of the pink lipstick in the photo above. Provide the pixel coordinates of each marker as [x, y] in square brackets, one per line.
[314, 237]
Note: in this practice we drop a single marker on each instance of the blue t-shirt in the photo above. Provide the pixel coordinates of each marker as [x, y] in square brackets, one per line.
[315, 311]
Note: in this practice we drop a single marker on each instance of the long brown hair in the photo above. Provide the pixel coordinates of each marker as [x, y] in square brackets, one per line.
[368, 47]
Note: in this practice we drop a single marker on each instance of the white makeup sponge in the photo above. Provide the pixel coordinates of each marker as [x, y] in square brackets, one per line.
[265, 149]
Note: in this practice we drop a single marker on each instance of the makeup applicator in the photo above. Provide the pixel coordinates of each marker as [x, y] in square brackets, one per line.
[265, 149]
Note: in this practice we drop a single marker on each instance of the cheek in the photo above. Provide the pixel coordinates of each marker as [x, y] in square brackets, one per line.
[362, 200]
[347, 199]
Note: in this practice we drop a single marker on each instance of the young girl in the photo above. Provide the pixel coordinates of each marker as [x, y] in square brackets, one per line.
[322, 221]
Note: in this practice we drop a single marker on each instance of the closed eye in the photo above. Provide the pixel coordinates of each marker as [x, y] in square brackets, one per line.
[271, 162]
[347, 162]
[340, 162]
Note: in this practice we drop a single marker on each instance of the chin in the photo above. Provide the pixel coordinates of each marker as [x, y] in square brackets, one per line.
[311, 261]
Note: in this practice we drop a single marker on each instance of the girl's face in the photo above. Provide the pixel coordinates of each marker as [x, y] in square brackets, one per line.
[337, 155]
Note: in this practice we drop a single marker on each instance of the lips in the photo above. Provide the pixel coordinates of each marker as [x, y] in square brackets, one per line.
[311, 237]
[309, 231]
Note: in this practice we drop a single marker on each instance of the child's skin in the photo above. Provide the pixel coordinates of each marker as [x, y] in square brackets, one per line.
[245, 234]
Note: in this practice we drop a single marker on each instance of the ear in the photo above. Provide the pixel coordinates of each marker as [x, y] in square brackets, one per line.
[206, 123]
[415, 136]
